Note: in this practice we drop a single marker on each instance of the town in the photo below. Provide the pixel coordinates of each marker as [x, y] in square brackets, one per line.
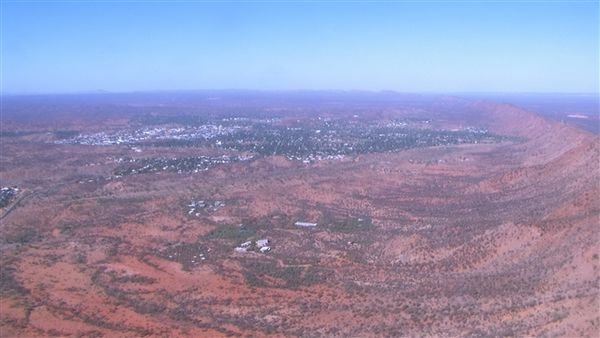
[304, 139]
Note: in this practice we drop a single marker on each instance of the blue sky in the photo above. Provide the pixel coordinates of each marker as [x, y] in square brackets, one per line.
[54, 47]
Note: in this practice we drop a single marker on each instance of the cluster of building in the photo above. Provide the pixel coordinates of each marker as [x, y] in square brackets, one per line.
[313, 158]
[196, 207]
[174, 164]
[7, 194]
[188, 254]
[142, 135]
[261, 245]
[316, 139]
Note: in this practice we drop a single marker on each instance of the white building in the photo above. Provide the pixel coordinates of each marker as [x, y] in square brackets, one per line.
[305, 224]
[262, 243]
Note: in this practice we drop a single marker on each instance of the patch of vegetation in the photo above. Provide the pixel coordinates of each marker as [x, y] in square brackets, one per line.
[8, 282]
[144, 307]
[186, 120]
[15, 133]
[22, 236]
[232, 232]
[138, 279]
[348, 225]
[65, 134]
[269, 274]
[121, 200]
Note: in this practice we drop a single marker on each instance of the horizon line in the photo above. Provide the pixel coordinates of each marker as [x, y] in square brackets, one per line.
[283, 91]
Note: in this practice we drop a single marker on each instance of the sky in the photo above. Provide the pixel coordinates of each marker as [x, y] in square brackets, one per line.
[407, 46]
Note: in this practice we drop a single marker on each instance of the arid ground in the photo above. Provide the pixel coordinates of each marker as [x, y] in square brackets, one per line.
[432, 217]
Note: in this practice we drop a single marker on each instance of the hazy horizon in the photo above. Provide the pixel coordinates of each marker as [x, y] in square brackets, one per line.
[300, 90]
[408, 47]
